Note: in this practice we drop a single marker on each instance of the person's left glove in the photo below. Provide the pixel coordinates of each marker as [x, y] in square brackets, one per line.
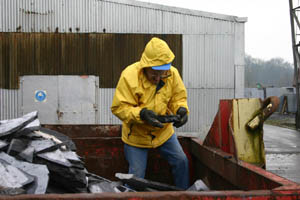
[182, 112]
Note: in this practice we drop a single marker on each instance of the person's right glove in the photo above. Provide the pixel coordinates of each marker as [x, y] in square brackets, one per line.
[150, 117]
[182, 112]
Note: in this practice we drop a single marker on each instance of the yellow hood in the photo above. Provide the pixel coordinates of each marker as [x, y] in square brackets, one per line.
[156, 53]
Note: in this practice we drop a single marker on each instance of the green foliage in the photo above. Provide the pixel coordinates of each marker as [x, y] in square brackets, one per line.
[271, 73]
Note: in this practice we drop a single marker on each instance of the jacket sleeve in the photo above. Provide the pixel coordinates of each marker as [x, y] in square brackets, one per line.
[125, 103]
[179, 94]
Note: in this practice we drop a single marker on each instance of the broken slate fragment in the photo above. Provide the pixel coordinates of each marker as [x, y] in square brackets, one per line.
[40, 173]
[34, 125]
[3, 144]
[16, 146]
[40, 145]
[12, 125]
[199, 185]
[69, 178]
[99, 187]
[26, 154]
[51, 148]
[141, 184]
[63, 138]
[47, 137]
[57, 157]
[11, 191]
[12, 177]
[98, 184]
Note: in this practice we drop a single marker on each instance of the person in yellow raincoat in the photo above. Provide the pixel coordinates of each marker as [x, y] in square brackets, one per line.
[148, 91]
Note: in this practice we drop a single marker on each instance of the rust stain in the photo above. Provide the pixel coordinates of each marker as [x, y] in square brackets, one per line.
[29, 12]
[96, 54]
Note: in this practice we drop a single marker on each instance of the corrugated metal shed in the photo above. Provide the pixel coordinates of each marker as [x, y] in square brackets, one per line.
[212, 44]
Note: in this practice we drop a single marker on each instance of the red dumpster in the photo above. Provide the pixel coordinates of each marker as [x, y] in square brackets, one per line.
[102, 150]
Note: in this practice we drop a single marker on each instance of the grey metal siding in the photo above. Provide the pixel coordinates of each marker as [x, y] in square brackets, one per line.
[105, 100]
[82, 16]
[208, 61]
[239, 60]
[203, 105]
[9, 104]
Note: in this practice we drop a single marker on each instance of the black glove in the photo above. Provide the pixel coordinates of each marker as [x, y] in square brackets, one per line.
[182, 112]
[150, 117]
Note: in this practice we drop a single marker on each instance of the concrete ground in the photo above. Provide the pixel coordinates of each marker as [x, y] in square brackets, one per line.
[282, 146]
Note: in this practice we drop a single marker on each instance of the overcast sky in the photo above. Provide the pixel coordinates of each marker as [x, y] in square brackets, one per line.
[267, 31]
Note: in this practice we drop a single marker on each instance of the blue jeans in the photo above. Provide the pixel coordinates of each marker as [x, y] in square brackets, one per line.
[171, 150]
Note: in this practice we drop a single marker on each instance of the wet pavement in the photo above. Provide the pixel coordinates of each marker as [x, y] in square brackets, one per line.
[282, 146]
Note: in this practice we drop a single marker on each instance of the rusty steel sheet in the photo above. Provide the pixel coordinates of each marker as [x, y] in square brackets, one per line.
[212, 195]
[242, 175]
[105, 157]
[87, 131]
[219, 135]
[75, 54]
[101, 148]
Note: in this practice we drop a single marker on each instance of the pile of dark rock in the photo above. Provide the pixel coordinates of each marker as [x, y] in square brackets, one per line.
[36, 160]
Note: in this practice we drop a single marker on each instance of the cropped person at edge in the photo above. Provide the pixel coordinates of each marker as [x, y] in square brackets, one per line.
[146, 89]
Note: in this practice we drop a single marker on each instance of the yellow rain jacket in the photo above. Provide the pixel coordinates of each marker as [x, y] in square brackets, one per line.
[134, 92]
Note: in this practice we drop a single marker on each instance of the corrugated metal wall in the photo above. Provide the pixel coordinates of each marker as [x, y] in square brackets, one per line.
[9, 104]
[208, 61]
[113, 16]
[213, 44]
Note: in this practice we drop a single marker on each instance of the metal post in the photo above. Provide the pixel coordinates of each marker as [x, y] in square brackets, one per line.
[265, 92]
[295, 52]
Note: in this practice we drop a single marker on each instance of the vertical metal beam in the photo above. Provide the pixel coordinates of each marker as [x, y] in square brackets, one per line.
[295, 52]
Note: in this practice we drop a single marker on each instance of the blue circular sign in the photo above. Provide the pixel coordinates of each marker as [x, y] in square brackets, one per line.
[40, 95]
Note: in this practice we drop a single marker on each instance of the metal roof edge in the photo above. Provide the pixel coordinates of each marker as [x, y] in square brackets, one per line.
[241, 19]
[178, 10]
